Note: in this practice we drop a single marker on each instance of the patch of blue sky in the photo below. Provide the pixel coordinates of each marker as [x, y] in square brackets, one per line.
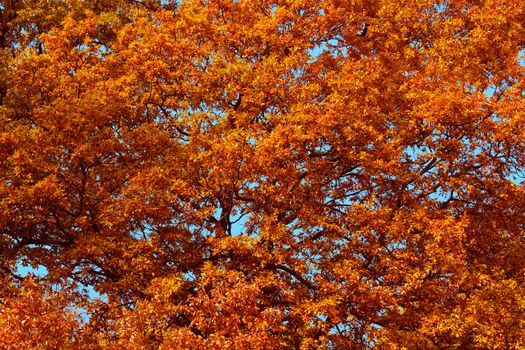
[239, 222]
[24, 270]
[521, 57]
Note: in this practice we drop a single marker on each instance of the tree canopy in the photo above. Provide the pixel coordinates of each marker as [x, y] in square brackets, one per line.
[262, 174]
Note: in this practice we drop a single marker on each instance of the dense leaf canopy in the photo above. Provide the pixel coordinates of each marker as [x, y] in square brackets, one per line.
[262, 174]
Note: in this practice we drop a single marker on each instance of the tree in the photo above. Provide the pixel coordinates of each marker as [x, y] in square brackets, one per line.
[263, 174]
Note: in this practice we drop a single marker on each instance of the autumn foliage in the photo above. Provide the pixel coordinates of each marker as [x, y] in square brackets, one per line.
[262, 174]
